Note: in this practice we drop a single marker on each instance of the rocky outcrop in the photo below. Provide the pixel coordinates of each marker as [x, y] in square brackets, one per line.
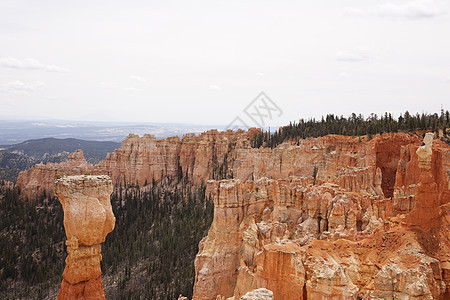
[354, 163]
[258, 294]
[331, 241]
[88, 218]
[259, 228]
[140, 160]
[333, 217]
[436, 160]
[40, 179]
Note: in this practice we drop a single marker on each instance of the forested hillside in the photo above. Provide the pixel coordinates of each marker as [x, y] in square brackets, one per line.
[46, 147]
[22, 156]
[355, 125]
[150, 253]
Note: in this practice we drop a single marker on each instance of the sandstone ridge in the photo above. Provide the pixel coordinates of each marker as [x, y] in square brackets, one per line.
[40, 178]
[354, 163]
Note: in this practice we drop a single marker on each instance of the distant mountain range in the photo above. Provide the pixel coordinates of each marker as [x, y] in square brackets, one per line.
[26, 143]
[51, 147]
[13, 132]
[17, 157]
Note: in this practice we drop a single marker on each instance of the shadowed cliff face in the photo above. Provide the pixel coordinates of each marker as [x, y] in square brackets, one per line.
[323, 241]
[388, 155]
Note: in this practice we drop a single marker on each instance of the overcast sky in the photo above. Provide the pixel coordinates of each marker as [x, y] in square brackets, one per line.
[204, 61]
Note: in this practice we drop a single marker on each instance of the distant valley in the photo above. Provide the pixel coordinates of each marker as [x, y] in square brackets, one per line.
[26, 143]
[17, 157]
[13, 132]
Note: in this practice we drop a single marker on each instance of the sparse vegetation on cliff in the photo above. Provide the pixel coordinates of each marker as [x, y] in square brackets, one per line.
[19, 157]
[31, 243]
[150, 254]
[354, 125]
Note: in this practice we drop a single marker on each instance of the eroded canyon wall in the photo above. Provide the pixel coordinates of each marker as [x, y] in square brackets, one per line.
[327, 241]
[355, 163]
[333, 217]
[40, 179]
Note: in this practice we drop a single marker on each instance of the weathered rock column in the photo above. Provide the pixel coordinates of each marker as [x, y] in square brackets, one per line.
[88, 218]
[425, 214]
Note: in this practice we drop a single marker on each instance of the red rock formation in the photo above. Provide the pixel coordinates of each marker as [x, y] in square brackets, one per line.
[328, 242]
[141, 160]
[88, 218]
[349, 162]
[373, 225]
[40, 178]
[408, 176]
[254, 220]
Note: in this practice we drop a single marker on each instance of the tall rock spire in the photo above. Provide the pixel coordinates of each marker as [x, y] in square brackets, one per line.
[88, 218]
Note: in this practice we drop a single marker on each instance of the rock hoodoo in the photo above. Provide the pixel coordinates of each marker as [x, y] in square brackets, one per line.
[424, 152]
[88, 218]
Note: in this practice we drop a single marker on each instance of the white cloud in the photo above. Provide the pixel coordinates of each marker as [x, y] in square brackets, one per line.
[353, 11]
[418, 9]
[411, 10]
[131, 89]
[108, 85]
[344, 74]
[359, 54]
[137, 78]
[215, 87]
[23, 87]
[114, 85]
[260, 74]
[29, 64]
[6, 101]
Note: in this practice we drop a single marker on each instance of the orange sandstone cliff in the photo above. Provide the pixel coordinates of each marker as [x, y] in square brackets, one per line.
[140, 160]
[360, 165]
[40, 178]
[88, 218]
[333, 217]
[335, 240]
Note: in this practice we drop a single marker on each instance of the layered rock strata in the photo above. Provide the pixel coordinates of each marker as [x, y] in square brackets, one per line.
[324, 241]
[334, 217]
[88, 218]
[40, 179]
[409, 172]
[354, 163]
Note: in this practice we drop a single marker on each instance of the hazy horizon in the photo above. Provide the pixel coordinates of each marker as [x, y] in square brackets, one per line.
[203, 62]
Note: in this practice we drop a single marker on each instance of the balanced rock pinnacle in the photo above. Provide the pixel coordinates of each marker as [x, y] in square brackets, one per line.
[88, 218]
[424, 152]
